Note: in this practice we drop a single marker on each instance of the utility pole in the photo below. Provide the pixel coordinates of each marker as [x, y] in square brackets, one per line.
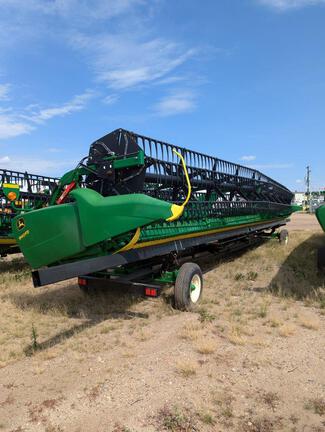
[308, 192]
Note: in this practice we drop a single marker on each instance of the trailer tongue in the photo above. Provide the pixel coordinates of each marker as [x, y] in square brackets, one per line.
[134, 198]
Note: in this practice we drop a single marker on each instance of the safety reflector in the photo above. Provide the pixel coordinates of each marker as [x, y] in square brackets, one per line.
[82, 281]
[151, 292]
[12, 196]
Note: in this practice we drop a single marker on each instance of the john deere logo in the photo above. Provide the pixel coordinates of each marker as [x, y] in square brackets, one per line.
[20, 223]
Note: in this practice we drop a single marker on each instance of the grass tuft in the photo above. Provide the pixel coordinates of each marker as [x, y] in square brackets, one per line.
[186, 368]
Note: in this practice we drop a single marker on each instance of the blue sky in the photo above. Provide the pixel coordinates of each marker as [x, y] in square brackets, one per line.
[243, 80]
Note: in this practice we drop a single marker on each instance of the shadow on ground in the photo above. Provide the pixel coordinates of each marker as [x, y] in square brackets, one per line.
[298, 277]
[14, 265]
[68, 301]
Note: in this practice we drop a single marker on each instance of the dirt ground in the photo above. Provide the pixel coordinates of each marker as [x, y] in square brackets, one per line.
[251, 359]
[304, 222]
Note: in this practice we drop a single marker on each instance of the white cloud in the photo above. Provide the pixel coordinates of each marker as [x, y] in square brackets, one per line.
[284, 5]
[272, 166]
[77, 103]
[55, 150]
[36, 165]
[178, 103]
[124, 61]
[11, 126]
[248, 158]
[72, 9]
[4, 92]
[299, 181]
[110, 99]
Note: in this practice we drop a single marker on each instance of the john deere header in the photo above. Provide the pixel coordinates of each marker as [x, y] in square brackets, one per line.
[132, 191]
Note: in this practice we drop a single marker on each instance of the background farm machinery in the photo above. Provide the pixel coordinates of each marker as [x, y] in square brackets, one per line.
[136, 207]
[20, 192]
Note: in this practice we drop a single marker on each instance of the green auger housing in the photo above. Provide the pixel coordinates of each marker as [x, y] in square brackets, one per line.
[54, 233]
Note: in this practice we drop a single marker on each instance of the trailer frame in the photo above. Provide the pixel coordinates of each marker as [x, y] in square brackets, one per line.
[178, 248]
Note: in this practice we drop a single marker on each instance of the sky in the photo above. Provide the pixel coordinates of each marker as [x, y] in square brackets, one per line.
[242, 80]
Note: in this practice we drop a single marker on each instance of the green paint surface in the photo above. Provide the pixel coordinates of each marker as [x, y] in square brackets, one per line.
[320, 214]
[54, 233]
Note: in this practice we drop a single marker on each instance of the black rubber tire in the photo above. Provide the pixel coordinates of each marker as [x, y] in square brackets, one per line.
[182, 290]
[283, 237]
[321, 259]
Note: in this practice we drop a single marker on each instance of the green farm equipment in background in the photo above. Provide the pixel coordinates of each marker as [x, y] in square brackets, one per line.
[20, 192]
[139, 203]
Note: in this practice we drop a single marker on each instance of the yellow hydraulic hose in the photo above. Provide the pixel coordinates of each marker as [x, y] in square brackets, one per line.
[177, 210]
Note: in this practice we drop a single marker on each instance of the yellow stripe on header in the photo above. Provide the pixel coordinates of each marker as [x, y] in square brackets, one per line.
[10, 185]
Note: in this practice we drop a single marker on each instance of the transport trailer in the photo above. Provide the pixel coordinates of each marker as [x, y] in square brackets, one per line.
[320, 214]
[146, 271]
[134, 199]
[20, 192]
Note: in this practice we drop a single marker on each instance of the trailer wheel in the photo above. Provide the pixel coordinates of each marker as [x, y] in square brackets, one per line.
[284, 237]
[321, 258]
[188, 287]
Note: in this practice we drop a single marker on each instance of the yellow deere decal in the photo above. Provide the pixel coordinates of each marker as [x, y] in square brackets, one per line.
[24, 234]
[20, 223]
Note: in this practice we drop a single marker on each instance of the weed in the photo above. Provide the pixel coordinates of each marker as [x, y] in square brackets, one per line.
[207, 418]
[317, 405]
[239, 276]
[263, 424]
[120, 428]
[224, 402]
[271, 399]
[252, 276]
[206, 316]
[262, 310]
[34, 336]
[174, 419]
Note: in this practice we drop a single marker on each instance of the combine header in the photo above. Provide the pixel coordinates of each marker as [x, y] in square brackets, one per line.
[137, 208]
[20, 192]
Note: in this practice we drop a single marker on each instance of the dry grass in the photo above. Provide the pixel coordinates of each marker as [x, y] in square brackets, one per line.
[235, 336]
[275, 321]
[287, 330]
[191, 331]
[309, 322]
[186, 368]
[207, 346]
[62, 317]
